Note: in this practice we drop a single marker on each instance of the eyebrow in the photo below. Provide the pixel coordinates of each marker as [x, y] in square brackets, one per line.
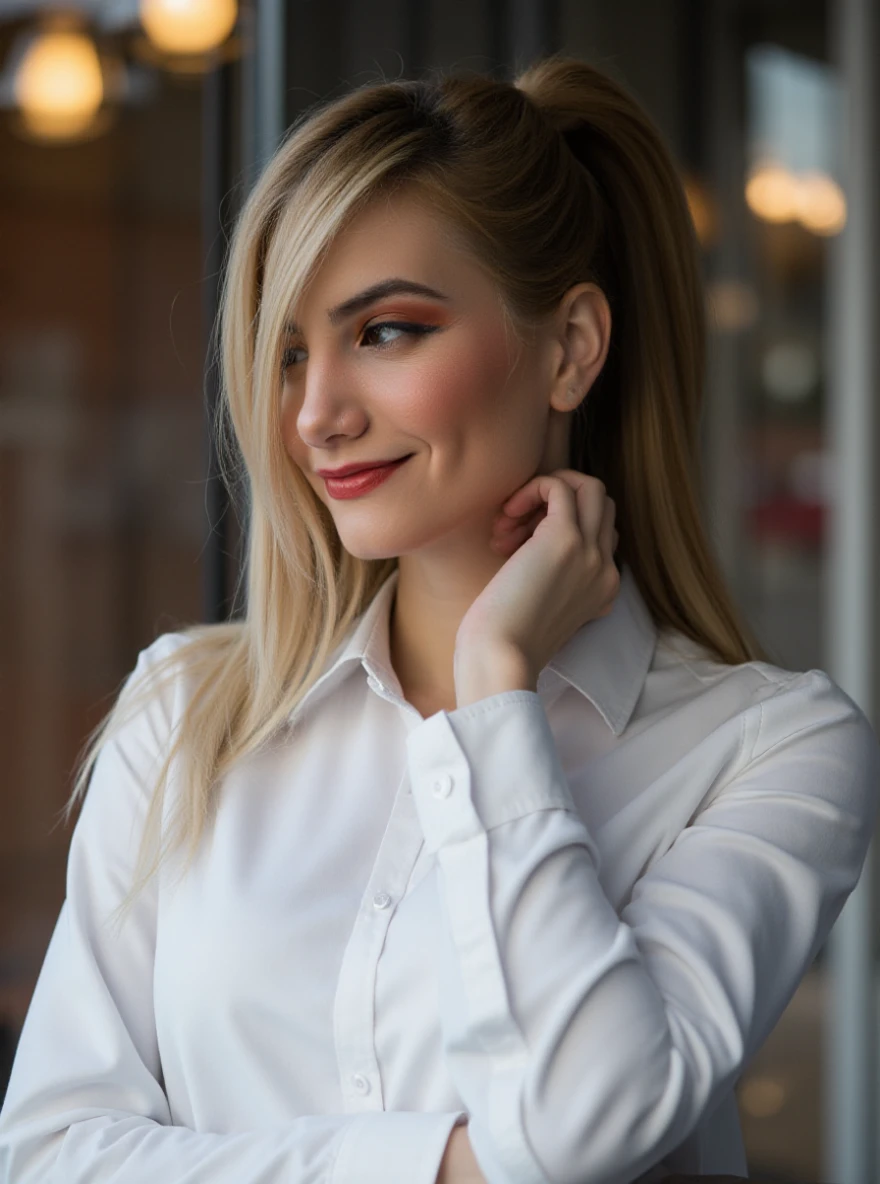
[394, 286]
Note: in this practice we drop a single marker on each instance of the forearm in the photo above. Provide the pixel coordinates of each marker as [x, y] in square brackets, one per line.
[459, 1165]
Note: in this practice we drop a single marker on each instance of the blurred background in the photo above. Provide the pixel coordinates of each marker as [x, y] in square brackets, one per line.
[131, 131]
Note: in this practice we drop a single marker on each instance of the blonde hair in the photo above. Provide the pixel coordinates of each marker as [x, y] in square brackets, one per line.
[556, 178]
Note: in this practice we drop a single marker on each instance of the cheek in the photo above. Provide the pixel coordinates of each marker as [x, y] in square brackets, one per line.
[458, 389]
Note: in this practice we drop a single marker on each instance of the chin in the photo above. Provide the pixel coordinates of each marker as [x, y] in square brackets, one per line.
[362, 551]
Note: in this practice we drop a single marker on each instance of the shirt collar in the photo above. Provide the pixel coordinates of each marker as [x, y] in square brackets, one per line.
[607, 660]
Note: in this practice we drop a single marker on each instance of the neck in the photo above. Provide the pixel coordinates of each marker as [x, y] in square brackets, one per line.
[430, 601]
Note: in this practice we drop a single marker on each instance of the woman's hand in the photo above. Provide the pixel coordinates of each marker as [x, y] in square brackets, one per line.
[558, 531]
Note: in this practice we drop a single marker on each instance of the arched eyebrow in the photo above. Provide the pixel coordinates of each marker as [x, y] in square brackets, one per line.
[394, 286]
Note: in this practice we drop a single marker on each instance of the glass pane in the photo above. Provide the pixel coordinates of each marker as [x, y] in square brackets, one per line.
[102, 498]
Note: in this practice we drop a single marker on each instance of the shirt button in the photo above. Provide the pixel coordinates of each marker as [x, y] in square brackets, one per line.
[381, 900]
[443, 786]
[360, 1083]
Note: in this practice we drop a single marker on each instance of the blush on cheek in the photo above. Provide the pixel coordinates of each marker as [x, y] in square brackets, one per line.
[458, 386]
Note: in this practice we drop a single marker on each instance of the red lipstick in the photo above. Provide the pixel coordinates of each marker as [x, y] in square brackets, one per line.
[363, 481]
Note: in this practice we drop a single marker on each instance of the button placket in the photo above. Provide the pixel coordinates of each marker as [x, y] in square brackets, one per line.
[441, 779]
[354, 1010]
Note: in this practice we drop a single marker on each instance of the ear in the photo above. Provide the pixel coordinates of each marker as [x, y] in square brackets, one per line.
[584, 333]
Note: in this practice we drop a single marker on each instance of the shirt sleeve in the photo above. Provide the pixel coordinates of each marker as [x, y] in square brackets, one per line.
[85, 1102]
[585, 1044]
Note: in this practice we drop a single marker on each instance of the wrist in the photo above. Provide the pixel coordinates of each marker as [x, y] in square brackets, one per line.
[489, 670]
[459, 1165]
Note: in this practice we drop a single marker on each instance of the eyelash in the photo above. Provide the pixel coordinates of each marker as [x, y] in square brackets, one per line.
[405, 326]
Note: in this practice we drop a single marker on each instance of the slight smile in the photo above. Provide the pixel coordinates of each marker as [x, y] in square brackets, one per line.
[361, 482]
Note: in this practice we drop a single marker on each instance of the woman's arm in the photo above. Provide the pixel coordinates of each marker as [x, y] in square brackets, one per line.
[86, 1102]
[587, 1043]
[459, 1165]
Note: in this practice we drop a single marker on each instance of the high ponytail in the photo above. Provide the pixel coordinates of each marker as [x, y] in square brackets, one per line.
[638, 429]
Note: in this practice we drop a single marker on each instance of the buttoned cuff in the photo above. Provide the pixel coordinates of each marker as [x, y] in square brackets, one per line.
[482, 765]
[394, 1147]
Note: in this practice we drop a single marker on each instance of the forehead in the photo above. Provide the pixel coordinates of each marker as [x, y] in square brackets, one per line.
[401, 221]
[397, 235]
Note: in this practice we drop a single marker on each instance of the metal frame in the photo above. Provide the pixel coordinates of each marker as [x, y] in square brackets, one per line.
[850, 1085]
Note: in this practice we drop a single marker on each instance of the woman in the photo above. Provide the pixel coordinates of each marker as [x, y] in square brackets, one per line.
[506, 846]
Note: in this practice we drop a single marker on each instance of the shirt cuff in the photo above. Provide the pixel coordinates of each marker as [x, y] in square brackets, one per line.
[394, 1147]
[483, 765]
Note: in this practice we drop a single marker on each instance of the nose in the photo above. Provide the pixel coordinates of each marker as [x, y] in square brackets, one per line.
[328, 407]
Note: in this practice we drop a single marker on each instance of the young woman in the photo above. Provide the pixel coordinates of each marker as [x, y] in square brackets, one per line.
[505, 844]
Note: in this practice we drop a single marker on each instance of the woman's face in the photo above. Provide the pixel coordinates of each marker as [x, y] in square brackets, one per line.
[427, 376]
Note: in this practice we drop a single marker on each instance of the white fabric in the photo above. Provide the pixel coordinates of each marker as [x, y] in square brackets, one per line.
[568, 917]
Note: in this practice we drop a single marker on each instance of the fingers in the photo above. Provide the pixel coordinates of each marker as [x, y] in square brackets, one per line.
[589, 498]
[607, 534]
[533, 496]
[594, 511]
[538, 492]
[509, 534]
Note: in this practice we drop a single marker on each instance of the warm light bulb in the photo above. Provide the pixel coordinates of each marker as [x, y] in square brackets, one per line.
[821, 204]
[188, 26]
[58, 84]
[772, 194]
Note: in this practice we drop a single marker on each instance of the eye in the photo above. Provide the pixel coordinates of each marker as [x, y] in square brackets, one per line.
[287, 359]
[407, 327]
[396, 326]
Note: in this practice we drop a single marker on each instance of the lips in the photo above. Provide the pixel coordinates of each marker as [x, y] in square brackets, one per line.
[364, 481]
[351, 470]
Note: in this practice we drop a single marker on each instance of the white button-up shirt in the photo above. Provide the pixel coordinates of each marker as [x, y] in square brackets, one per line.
[567, 917]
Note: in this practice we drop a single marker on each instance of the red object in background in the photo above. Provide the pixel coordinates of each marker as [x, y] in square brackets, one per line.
[788, 518]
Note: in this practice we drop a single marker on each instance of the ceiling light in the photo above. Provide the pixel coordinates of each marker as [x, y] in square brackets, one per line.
[188, 26]
[58, 85]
